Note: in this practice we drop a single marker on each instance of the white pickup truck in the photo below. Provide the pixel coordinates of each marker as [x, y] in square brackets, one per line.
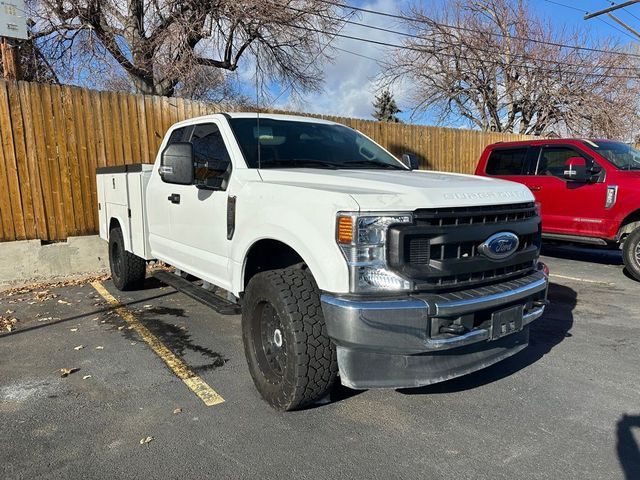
[344, 260]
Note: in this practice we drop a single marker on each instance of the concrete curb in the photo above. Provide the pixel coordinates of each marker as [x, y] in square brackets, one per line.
[29, 260]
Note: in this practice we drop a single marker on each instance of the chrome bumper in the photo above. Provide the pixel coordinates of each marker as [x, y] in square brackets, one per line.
[389, 344]
[402, 325]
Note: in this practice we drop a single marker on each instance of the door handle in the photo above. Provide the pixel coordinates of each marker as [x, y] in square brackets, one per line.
[535, 188]
[174, 198]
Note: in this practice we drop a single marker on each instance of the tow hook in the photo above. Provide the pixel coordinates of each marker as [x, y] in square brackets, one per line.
[453, 328]
[540, 303]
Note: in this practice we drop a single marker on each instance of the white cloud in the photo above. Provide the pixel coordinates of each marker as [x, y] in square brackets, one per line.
[350, 81]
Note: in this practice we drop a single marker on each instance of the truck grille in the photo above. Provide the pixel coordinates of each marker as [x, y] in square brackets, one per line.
[440, 250]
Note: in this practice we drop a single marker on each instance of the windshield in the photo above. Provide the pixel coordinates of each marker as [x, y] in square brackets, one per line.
[298, 144]
[621, 155]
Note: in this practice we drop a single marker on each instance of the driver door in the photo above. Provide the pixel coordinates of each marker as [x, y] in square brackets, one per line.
[569, 208]
[199, 218]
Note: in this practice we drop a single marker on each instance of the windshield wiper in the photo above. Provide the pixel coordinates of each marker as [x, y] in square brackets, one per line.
[299, 163]
[371, 163]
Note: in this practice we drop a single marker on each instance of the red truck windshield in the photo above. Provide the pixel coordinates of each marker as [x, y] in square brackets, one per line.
[621, 155]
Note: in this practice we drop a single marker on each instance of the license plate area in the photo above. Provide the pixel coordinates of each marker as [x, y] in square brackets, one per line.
[507, 321]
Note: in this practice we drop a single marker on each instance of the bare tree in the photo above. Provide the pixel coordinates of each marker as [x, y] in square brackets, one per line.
[493, 64]
[170, 46]
[34, 67]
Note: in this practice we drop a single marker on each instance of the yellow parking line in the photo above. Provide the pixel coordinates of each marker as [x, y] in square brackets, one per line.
[198, 386]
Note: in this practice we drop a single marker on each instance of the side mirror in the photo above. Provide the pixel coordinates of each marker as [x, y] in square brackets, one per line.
[176, 164]
[410, 161]
[575, 170]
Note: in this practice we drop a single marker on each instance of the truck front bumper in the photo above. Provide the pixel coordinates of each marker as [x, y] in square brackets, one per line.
[397, 343]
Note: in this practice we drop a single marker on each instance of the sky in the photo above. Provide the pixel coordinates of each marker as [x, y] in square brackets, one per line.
[350, 80]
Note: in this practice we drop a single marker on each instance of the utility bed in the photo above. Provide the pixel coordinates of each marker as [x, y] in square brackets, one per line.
[121, 195]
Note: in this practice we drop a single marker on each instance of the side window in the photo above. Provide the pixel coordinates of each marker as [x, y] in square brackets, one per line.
[208, 143]
[208, 146]
[508, 161]
[177, 135]
[553, 159]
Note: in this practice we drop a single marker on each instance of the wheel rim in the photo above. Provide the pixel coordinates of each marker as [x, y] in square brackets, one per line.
[116, 258]
[270, 341]
[637, 253]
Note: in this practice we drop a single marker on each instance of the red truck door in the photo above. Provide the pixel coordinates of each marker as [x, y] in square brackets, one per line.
[570, 208]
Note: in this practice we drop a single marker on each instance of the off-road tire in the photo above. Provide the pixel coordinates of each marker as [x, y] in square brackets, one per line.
[631, 253]
[308, 367]
[127, 270]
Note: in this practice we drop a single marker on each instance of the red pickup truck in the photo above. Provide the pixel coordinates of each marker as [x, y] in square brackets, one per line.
[588, 190]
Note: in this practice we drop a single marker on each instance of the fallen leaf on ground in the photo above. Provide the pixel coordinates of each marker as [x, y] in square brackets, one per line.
[79, 347]
[55, 284]
[99, 347]
[147, 306]
[8, 323]
[134, 343]
[146, 440]
[86, 376]
[65, 372]
[177, 410]
[74, 329]
[9, 312]
[121, 327]
[63, 302]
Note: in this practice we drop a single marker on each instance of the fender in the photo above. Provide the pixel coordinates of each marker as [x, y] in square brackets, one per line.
[123, 226]
[328, 268]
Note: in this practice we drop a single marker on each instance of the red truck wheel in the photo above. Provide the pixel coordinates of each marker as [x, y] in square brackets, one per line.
[631, 253]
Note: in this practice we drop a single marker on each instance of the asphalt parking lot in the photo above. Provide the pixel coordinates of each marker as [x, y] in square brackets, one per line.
[567, 407]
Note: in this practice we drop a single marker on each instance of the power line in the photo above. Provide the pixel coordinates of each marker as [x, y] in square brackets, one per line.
[458, 27]
[316, 57]
[443, 42]
[422, 50]
[584, 12]
[612, 8]
[616, 28]
[630, 13]
[357, 54]
[567, 6]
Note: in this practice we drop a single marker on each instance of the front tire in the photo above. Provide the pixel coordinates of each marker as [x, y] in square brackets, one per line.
[127, 270]
[631, 253]
[290, 356]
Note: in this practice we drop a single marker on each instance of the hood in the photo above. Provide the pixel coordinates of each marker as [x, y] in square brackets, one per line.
[403, 190]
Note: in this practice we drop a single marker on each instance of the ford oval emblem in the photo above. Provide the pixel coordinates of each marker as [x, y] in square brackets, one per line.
[499, 246]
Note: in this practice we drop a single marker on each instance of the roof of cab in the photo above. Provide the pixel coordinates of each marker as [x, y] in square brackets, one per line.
[547, 141]
[272, 116]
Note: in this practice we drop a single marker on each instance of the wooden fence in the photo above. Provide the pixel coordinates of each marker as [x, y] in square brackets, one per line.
[54, 138]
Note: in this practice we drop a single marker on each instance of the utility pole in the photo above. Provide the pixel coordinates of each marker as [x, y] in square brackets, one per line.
[10, 59]
[610, 9]
[13, 27]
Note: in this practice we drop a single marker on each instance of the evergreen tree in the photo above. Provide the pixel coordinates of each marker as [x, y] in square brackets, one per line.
[386, 108]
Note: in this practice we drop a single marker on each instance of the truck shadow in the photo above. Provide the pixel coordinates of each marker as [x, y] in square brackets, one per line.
[627, 446]
[601, 256]
[546, 332]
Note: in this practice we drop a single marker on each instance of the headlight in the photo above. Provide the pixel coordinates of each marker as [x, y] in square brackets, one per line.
[362, 239]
